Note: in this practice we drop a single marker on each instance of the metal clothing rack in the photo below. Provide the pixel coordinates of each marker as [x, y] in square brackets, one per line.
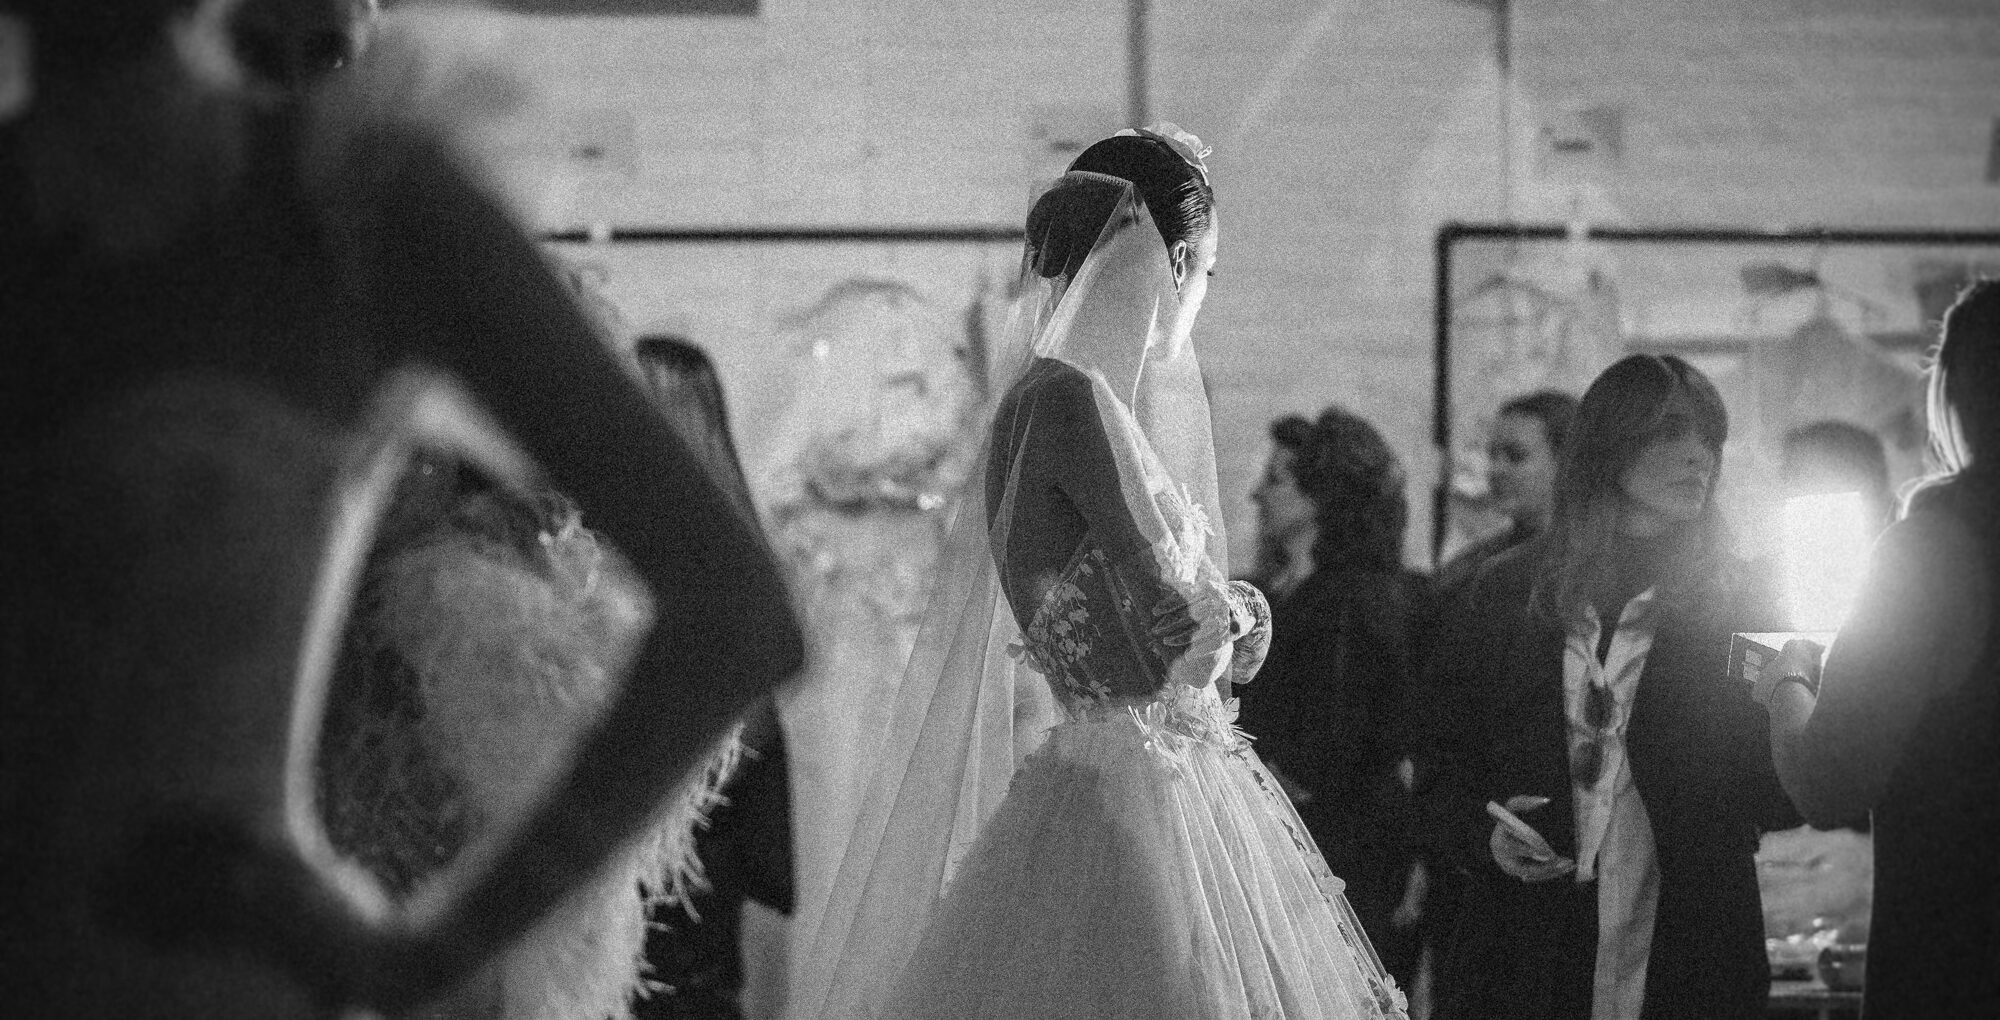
[963, 234]
[1452, 234]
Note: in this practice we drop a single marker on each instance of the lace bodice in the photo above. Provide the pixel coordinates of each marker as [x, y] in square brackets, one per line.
[1089, 633]
[1086, 638]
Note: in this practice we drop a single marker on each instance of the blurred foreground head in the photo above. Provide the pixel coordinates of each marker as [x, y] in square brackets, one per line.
[204, 316]
[258, 44]
[124, 120]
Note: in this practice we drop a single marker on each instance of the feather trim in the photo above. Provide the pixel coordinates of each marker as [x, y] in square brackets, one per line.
[481, 661]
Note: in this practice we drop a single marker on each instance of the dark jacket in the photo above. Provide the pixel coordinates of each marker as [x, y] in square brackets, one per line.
[1933, 950]
[1701, 763]
[1452, 577]
[1327, 710]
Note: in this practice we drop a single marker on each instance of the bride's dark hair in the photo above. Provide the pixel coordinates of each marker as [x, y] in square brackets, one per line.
[1066, 221]
[1174, 190]
[1065, 224]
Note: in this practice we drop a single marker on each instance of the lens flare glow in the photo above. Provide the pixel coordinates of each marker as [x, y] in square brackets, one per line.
[1826, 554]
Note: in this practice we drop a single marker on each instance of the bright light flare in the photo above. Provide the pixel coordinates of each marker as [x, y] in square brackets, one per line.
[1826, 554]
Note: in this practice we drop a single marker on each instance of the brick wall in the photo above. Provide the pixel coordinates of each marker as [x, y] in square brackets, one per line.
[1345, 133]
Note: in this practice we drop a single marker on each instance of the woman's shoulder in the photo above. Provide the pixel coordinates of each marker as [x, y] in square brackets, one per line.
[1051, 374]
[1050, 384]
[1505, 576]
[1937, 545]
[1465, 565]
[1494, 601]
[1971, 496]
[1948, 523]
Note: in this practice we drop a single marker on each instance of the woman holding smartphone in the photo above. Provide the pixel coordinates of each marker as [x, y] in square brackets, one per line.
[1584, 690]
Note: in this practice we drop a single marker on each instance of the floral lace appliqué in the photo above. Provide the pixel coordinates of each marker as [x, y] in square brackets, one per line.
[1182, 717]
[1389, 999]
[1061, 635]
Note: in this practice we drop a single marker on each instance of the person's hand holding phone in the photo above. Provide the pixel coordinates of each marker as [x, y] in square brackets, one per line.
[1517, 848]
[1800, 657]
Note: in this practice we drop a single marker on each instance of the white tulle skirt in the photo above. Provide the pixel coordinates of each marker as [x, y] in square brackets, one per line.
[1143, 864]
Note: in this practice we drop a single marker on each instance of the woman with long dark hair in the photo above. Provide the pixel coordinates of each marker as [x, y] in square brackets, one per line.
[1329, 704]
[1586, 683]
[1904, 720]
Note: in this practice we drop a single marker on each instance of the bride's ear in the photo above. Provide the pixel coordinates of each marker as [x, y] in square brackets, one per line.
[1178, 254]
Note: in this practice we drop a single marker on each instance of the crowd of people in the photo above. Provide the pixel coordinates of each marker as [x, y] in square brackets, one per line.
[388, 640]
[1571, 671]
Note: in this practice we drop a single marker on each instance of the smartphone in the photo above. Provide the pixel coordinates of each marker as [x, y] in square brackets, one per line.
[1527, 833]
[1750, 652]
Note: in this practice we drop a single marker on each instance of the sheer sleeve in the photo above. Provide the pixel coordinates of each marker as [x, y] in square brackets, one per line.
[1085, 448]
[1057, 441]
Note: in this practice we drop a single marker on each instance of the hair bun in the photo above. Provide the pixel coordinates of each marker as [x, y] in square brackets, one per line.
[1185, 144]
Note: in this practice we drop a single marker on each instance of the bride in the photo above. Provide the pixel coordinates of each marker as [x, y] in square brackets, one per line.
[1141, 862]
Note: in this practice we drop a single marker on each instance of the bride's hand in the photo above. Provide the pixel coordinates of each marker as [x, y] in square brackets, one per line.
[1174, 624]
[1248, 609]
[1182, 624]
[1250, 625]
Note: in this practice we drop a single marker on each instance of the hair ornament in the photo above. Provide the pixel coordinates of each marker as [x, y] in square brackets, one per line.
[1184, 143]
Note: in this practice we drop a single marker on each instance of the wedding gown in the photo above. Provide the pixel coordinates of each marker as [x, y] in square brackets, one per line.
[1140, 861]
[1143, 863]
